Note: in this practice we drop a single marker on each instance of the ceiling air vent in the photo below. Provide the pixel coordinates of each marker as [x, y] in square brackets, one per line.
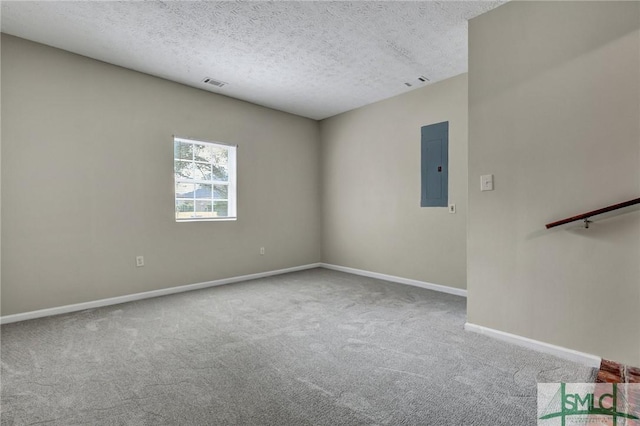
[213, 82]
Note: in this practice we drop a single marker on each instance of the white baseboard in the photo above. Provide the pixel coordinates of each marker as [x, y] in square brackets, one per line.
[559, 351]
[145, 295]
[400, 280]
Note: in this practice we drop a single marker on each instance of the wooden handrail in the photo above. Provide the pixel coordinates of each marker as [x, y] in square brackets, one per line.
[586, 216]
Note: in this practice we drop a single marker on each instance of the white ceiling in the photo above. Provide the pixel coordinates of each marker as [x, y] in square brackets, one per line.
[314, 59]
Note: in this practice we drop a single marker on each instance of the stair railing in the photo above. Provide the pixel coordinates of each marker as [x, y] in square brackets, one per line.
[586, 217]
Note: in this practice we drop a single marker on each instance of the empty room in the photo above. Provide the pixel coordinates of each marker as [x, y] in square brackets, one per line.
[320, 213]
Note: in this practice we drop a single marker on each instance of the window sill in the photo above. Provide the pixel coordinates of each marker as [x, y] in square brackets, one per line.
[208, 219]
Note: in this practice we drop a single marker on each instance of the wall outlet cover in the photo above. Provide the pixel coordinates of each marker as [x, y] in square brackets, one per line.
[486, 183]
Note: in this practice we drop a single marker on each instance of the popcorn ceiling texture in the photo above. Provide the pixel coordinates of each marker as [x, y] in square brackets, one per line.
[314, 59]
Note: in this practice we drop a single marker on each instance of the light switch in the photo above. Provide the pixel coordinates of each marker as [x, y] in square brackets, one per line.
[486, 183]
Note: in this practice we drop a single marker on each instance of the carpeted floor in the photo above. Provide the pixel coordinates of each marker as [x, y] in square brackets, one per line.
[316, 347]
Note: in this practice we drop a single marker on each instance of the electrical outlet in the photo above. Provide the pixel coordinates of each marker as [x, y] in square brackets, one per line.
[452, 208]
[261, 251]
[139, 261]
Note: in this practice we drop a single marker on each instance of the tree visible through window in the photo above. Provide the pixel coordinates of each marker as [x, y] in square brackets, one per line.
[205, 180]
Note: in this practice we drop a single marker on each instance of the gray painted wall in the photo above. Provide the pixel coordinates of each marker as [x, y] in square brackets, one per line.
[554, 114]
[87, 182]
[371, 212]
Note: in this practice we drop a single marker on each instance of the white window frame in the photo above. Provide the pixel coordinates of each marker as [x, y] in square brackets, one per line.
[231, 183]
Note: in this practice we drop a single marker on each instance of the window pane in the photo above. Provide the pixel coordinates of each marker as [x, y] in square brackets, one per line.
[220, 192]
[220, 161]
[220, 173]
[184, 169]
[213, 154]
[204, 209]
[182, 150]
[202, 171]
[184, 209]
[184, 205]
[184, 190]
[203, 206]
[203, 191]
[221, 209]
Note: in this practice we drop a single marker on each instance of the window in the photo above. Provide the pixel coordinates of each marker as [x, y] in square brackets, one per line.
[205, 180]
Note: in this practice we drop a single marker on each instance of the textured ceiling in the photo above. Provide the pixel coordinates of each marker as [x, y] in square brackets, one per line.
[314, 59]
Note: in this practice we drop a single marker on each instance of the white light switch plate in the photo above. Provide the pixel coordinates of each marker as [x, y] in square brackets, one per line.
[452, 208]
[486, 183]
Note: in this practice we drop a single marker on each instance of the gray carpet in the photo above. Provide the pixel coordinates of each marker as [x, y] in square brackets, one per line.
[316, 347]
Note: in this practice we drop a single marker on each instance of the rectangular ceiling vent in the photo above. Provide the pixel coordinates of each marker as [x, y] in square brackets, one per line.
[213, 82]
